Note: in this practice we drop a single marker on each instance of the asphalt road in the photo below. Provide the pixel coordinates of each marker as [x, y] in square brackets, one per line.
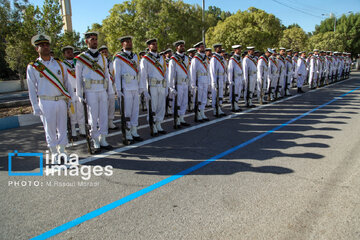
[289, 174]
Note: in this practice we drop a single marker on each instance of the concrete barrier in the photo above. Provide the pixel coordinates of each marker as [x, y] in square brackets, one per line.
[11, 86]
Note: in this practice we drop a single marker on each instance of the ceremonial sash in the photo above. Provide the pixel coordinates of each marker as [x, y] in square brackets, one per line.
[128, 62]
[220, 62]
[202, 62]
[251, 59]
[304, 62]
[289, 60]
[283, 61]
[51, 77]
[70, 69]
[274, 62]
[266, 61]
[181, 65]
[156, 64]
[239, 64]
[92, 64]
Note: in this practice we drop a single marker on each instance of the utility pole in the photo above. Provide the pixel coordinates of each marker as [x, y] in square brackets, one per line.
[66, 14]
[333, 15]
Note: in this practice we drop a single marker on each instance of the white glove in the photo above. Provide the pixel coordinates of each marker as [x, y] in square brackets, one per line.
[193, 89]
[37, 111]
[82, 100]
[173, 91]
[119, 94]
[146, 95]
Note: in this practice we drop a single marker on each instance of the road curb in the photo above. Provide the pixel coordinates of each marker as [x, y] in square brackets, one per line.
[18, 121]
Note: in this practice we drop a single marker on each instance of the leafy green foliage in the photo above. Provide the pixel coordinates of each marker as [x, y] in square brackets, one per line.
[252, 27]
[294, 38]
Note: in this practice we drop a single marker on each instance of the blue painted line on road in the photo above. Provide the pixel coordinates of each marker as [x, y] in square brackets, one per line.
[113, 205]
[9, 122]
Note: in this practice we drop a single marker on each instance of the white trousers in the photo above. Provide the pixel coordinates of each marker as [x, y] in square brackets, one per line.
[111, 110]
[158, 101]
[250, 85]
[264, 86]
[131, 103]
[313, 79]
[213, 93]
[272, 83]
[54, 119]
[238, 88]
[202, 94]
[340, 71]
[282, 85]
[78, 116]
[300, 81]
[182, 98]
[97, 103]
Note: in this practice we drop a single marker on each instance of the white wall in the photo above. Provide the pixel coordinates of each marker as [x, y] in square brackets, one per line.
[11, 86]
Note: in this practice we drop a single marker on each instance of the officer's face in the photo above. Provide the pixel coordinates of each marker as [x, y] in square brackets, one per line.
[303, 55]
[43, 49]
[69, 54]
[218, 49]
[238, 51]
[181, 48]
[191, 54]
[168, 55]
[153, 47]
[127, 45]
[282, 52]
[105, 52]
[208, 53]
[267, 54]
[201, 48]
[92, 42]
[251, 52]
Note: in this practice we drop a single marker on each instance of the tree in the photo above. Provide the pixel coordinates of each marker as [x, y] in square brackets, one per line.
[24, 25]
[5, 10]
[252, 27]
[328, 41]
[347, 27]
[214, 14]
[294, 38]
[167, 20]
[293, 25]
[51, 23]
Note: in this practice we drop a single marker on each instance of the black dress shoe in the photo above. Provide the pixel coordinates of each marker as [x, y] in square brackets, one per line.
[185, 124]
[96, 150]
[162, 132]
[138, 139]
[206, 119]
[74, 138]
[108, 147]
[177, 126]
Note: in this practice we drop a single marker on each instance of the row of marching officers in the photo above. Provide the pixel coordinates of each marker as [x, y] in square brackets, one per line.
[82, 89]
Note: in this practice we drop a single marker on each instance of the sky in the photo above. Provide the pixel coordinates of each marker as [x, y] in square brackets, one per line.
[306, 13]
